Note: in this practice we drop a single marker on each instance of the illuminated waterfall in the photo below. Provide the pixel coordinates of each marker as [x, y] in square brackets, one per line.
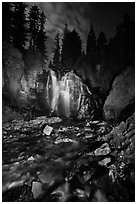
[64, 96]
[55, 91]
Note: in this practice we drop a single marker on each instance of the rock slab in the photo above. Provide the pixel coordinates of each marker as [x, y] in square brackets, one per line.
[121, 95]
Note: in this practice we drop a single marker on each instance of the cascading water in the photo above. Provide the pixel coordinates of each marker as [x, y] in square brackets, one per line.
[52, 91]
[64, 96]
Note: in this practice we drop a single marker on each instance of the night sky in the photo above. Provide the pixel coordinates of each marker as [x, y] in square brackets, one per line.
[104, 16]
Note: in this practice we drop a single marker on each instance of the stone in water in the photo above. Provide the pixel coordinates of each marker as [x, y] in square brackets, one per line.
[103, 150]
[37, 189]
[105, 161]
[47, 130]
[31, 158]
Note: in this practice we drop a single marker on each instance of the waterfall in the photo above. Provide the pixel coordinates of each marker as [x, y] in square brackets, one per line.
[64, 96]
[55, 91]
[65, 93]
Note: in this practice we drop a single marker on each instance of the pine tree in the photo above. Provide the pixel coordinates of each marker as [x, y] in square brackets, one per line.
[71, 48]
[19, 32]
[57, 55]
[91, 41]
[42, 38]
[37, 32]
[64, 47]
[101, 50]
[76, 46]
[6, 21]
[34, 25]
[101, 41]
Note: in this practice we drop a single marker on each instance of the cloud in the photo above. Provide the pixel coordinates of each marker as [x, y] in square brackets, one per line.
[79, 15]
[60, 13]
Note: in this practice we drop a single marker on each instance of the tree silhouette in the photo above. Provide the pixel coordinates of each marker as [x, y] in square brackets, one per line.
[122, 46]
[76, 45]
[37, 32]
[57, 55]
[19, 31]
[42, 38]
[34, 25]
[101, 49]
[71, 48]
[91, 41]
[101, 41]
[6, 21]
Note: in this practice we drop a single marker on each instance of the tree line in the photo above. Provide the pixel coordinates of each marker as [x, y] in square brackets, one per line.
[25, 29]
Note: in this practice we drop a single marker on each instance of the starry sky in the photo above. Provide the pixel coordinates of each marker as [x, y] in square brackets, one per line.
[104, 17]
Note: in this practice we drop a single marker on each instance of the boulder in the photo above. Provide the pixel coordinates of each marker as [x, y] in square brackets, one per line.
[103, 150]
[121, 95]
[47, 130]
[37, 189]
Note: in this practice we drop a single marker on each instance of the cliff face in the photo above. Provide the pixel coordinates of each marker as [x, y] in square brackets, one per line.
[13, 70]
[121, 95]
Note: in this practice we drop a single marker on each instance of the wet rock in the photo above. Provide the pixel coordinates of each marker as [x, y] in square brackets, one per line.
[15, 184]
[103, 150]
[87, 128]
[94, 122]
[37, 189]
[101, 130]
[121, 95]
[105, 161]
[122, 136]
[31, 158]
[58, 141]
[43, 178]
[47, 130]
[62, 191]
[84, 110]
[90, 135]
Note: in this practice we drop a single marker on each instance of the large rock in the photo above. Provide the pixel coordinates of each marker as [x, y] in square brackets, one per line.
[121, 95]
[19, 79]
[13, 69]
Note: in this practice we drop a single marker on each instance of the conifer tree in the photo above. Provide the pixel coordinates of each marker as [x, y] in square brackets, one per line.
[34, 25]
[91, 41]
[101, 41]
[42, 38]
[6, 21]
[57, 55]
[19, 29]
[37, 20]
[71, 48]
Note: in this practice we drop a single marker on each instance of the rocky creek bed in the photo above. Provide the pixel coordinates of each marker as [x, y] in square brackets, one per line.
[50, 159]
